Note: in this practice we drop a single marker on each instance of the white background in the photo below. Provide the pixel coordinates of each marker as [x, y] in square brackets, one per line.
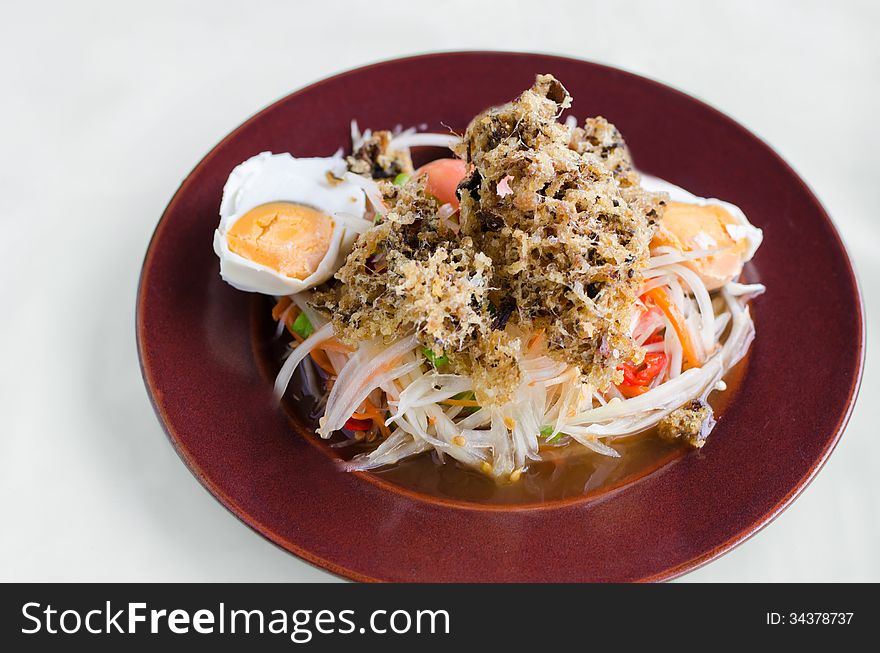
[106, 107]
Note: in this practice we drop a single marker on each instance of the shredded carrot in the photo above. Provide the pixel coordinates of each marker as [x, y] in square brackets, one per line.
[279, 308]
[371, 412]
[322, 361]
[383, 368]
[467, 403]
[333, 344]
[662, 299]
[536, 338]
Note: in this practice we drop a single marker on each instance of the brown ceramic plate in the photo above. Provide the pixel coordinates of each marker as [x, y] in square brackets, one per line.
[202, 355]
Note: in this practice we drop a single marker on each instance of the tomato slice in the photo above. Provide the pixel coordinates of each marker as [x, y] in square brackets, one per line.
[353, 424]
[636, 378]
[443, 177]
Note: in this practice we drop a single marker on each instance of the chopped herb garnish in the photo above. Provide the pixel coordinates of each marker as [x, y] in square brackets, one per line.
[401, 179]
[436, 360]
[302, 327]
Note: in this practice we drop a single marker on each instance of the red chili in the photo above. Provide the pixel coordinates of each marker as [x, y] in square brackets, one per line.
[353, 424]
[642, 375]
[654, 339]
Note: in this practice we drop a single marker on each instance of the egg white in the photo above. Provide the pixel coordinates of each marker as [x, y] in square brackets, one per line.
[269, 177]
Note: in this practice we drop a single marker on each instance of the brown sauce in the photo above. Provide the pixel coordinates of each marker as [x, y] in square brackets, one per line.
[572, 472]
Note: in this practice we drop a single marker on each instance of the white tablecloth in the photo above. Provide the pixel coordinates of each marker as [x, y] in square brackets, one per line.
[107, 106]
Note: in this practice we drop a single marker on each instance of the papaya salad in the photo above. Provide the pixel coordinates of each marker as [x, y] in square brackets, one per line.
[530, 294]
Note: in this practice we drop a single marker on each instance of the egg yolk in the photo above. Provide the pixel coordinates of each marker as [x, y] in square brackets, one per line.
[291, 239]
[689, 227]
